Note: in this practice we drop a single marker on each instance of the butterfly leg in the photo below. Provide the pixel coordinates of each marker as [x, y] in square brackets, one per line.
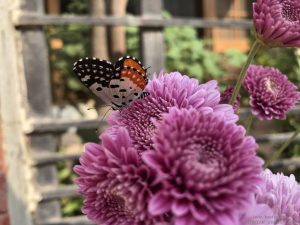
[143, 95]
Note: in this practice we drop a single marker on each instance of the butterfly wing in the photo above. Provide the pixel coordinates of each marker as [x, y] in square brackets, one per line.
[130, 81]
[117, 85]
[132, 63]
[130, 86]
[96, 74]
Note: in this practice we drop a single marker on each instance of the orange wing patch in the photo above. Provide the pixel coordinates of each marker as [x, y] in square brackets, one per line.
[134, 64]
[135, 77]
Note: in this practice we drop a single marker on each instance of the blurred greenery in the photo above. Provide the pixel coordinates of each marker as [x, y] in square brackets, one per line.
[75, 45]
[132, 41]
[74, 6]
[234, 57]
[70, 206]
[282, 58]
[187, 53]
[190, 55]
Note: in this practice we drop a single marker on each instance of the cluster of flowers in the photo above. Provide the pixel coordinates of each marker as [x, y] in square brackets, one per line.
[179, 157]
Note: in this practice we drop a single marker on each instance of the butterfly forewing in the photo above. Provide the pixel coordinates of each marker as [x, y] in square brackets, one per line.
[93, 70]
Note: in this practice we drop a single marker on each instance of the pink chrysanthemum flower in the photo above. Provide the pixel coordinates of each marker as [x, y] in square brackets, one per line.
[207, 168]
[225, 98]
[275, 202]
[168, 90]
[115, 184]
[271, 93]
[258, 214]
[277, 22]
[282, 194]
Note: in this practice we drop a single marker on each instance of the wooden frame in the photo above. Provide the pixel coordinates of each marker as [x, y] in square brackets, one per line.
[222, 38]
[32, 19]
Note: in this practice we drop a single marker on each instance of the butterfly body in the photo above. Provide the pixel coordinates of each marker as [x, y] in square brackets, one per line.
[117, 85]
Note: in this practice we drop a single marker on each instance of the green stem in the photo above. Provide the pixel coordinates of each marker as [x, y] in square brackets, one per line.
[249, 122]
[277, 153]
[255, 47]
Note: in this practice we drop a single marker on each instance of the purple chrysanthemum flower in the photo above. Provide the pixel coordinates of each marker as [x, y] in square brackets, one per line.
[207, 168]
[225, 98]
[271, 93]
[168, 90]
[282, 194]
[277, 22]
[115, 184]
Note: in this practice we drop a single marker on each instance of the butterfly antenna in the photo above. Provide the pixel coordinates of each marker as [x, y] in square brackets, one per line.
[148, 67]
[105, 114]
[93, 108]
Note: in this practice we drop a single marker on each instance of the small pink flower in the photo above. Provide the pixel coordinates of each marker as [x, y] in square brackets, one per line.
[277, 22]
[271, 93]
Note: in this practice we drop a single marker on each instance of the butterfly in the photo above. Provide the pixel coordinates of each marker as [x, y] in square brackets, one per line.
[117, 85]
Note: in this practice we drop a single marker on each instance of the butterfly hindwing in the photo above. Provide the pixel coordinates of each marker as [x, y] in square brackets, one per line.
[132, 85]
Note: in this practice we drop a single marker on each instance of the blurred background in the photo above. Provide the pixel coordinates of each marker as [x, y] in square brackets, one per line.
[205, 39]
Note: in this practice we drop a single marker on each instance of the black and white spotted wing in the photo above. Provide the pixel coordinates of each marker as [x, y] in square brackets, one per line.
[93, 70]
[117, 87]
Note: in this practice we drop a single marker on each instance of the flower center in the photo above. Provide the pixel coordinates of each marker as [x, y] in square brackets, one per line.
[115, 202]
[290, 11]
[208, 151]
[272, 87]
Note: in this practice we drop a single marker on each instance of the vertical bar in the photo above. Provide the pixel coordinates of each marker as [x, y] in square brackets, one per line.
[99, 33]
[118, 33]
[53, 7]
[37, 76]
[152, 39]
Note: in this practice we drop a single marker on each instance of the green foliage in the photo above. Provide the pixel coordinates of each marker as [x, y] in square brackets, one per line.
[282, 58]
[132, 41]
[74, 6]
[65, 174]
[294, 124]
[188, 54]
[75, 45]
[234, 57]
[70, 206]
[185, 52]
[295, 75]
